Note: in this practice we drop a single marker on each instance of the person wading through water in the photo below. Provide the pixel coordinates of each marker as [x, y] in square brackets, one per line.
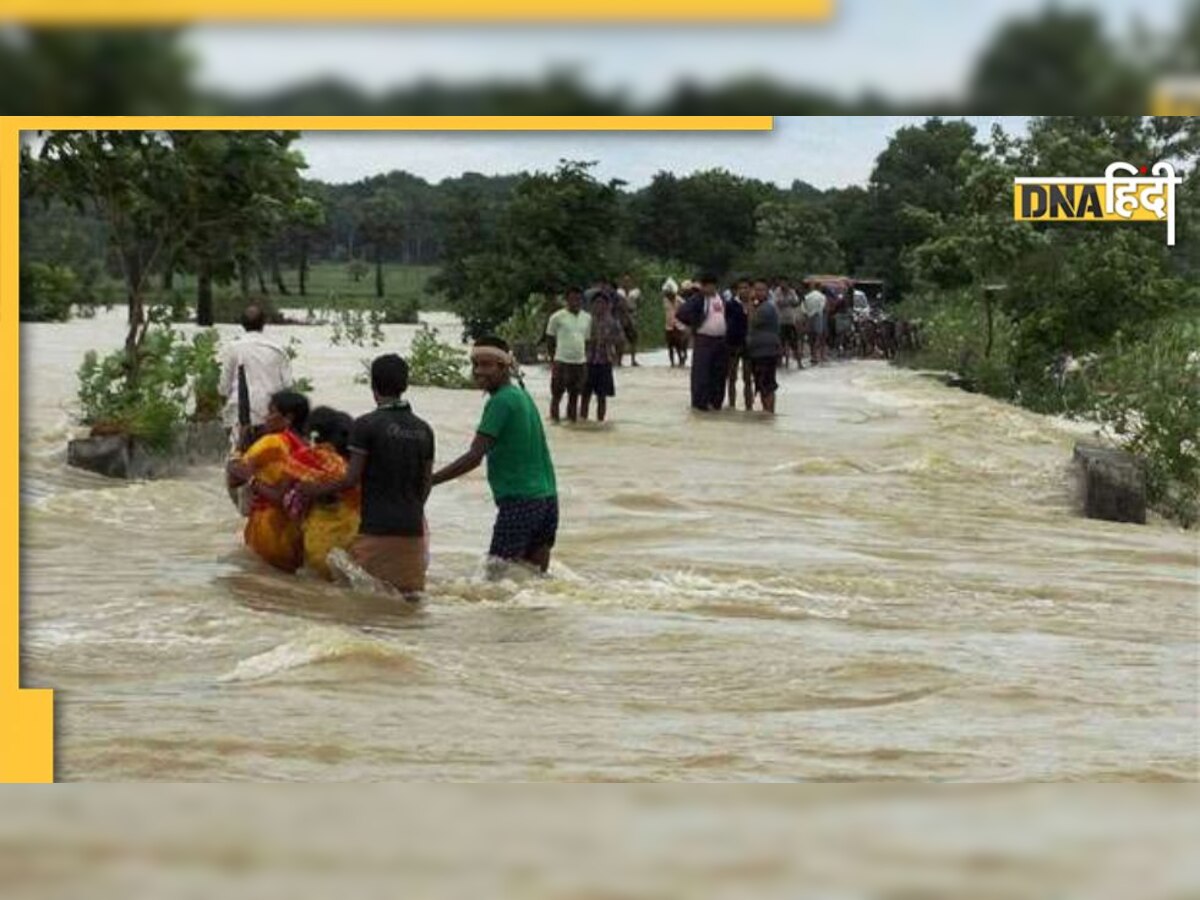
[570, 329]
[391, 456]
[704, 313]
[510, 436]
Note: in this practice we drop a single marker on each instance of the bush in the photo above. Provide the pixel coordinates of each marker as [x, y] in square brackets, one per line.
[47, 292]
[434, 364]
[525, 329]
[1147, 394]
[401, 310]
[357, 328]
[954, 339]
[176, 381]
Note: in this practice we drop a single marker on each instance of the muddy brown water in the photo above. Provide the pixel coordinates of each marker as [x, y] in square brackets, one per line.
[887, 581]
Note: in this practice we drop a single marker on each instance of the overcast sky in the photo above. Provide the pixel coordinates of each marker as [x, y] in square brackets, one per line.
[904, 48]
[826, 151]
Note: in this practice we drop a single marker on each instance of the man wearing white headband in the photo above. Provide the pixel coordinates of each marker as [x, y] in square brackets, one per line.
[510, 436]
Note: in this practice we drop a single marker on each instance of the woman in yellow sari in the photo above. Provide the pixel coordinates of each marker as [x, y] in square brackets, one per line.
[270, 531]
[330, 522]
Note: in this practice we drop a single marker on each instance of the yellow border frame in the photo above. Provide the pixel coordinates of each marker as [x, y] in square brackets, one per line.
[27, 715]
[158, 12]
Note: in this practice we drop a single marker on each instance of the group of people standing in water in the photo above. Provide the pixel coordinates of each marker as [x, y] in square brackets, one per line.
[316, 481]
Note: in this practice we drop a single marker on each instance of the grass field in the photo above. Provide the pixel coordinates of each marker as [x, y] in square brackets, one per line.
[330, 286]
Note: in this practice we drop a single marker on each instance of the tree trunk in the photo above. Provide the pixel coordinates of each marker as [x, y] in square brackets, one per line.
[378, 271]
[243, 267]
[168, 278]
[262, 283]
[276, 275]
[987, 306]
[137, 314]
[204, 296]
[303, 267]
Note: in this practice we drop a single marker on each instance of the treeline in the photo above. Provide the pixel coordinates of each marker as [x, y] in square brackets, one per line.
[1055, 61]
[498, 238]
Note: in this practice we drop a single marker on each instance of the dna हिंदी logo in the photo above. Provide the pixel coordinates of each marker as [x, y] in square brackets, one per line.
[1126, 193]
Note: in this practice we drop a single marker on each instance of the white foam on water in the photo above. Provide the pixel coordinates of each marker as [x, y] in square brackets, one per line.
[318, 645]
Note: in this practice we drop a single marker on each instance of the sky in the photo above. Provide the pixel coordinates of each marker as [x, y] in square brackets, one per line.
[903, 48]
[825, 151]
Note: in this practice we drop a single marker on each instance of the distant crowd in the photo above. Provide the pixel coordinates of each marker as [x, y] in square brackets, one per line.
[748, 329]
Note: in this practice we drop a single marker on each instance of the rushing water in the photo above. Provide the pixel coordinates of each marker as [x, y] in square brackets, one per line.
[886, 581]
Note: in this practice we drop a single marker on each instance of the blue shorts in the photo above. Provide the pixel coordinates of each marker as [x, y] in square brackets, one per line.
[523, 526]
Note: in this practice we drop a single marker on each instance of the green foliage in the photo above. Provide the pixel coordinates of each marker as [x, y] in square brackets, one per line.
[1060, 60]
[176, 381]
[557, 230]
[400, 310]
[357, 270]
[954, 329]
[708, 218]
[434, 364]
[525, 329]
[793, 238]
[1080, 288]
[357, 328]
[916, 185]
[1147, 393]
[47, 292]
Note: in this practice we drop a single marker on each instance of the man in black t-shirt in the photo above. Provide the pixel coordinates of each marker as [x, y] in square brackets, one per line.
[391, 456]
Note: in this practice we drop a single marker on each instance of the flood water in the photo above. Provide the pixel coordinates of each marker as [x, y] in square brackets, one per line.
[887, 581]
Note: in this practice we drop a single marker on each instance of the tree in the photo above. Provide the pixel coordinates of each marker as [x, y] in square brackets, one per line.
[979, 247]
[658, 213]
[794, 238]
[134, 180]
[1060, 61]
[915, 186]
[95, 71]
[306, 217]
[383, 226]
[238, 190]
[558, 230]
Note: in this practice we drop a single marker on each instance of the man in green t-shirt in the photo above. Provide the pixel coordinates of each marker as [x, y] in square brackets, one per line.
[520, 473]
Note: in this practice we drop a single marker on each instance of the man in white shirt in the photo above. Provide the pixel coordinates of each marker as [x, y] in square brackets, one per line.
[268, 370]
[571, 329]
[710, 353]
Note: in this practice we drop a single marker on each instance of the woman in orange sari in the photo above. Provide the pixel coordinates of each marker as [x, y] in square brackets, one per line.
[270, 531]
[330, 522]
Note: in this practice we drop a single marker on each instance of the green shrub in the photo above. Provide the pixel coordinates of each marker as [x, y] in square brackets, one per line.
[357, 328]
[525, 329]
[176, 381]
[401, 310]
[954, 339]
[434, 364]
[1147, 394]
[47, 292]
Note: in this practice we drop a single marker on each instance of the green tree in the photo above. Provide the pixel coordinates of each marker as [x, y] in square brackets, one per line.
[559, 229]
[134, 181]
[916, 186]
[383, 226]
[237, 191]
[1060, 60]
[95, 71]
[794, 238]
